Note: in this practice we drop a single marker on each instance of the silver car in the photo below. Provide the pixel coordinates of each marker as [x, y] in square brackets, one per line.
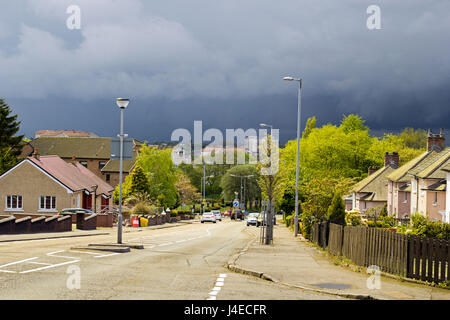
[217, 215]
[252, 218]
[208, 217]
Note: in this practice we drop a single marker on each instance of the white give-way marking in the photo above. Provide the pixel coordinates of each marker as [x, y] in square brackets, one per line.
[217, 287]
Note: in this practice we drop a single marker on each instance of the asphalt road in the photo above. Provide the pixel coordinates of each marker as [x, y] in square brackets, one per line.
[185, 262]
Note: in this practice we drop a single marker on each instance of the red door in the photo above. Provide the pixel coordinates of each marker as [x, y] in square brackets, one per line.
[87, 201]
[105, 202]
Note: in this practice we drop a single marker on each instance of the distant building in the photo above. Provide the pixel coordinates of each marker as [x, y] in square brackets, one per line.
[48, 184]
[371, 192]
[92, 153]
[64, 134]
[420, 185]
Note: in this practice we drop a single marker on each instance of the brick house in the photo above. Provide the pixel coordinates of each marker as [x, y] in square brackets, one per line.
[93, 153]
[420, 184]
[48, 184]
[371, 192]
[64, 134]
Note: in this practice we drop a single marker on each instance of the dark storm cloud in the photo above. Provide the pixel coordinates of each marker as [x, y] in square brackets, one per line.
[222, 62]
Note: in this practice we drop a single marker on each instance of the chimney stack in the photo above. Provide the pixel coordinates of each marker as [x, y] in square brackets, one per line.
[372, 170]
[435, 142]
[391, 159]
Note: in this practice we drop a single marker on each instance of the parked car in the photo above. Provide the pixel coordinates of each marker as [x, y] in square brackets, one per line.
[262, 219]
[71, 211]
[237, 214]
[217, 215]
[208, 217]
[252, 218]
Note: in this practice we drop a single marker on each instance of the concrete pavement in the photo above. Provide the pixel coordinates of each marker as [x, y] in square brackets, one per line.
[297, 264]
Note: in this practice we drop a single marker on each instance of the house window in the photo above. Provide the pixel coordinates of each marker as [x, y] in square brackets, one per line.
[47, 203]
[435, 198]
[83, 163]
[101, 164]
[14, 203]
[108, 178]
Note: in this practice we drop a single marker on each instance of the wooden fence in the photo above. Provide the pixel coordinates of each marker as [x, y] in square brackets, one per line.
[410, 256]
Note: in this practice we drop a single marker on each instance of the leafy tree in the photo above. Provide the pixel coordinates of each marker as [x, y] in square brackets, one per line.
[352, 123]
[416, 139]
[310, 125]
[187, 193]
[230, 184]
[336, 210]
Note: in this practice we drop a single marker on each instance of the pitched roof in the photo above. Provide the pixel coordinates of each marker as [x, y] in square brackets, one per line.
[430, 169]
[400, 174]
[92, 148]
[375, 185]
[446, 167]
[73, 175]
[64, 133]
[114, 166]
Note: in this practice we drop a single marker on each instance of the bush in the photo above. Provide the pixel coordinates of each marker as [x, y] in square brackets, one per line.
[336, 211]
[288, 220]
[421, 226]
[353, 219]
[141, 209]
[380, 224]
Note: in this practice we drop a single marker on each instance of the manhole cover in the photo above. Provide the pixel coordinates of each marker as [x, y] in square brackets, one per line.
[333, 285]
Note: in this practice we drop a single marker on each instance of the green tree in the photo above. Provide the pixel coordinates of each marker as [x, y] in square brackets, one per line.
[310, 125]
[10, 143]
[139, 181]
[416, 139]
[353, 123]
[230, 184]
[336, 210]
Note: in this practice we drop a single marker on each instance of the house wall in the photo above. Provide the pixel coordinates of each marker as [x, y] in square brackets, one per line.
[447, 199]
[114, 178]
[434, 209]
[403, 207]
[29, 182]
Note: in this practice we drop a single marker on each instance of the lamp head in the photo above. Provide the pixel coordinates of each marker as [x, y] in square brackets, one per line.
[288, 79]
[122, 103]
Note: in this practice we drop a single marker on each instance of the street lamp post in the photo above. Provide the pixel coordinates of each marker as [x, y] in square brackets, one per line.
[299, 80]
[249, 176]
[122, 104]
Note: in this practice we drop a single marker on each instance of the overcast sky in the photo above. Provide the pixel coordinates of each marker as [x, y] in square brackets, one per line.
[222, 62]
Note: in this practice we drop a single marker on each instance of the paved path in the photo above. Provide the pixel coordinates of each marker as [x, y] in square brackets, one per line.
[297, 262]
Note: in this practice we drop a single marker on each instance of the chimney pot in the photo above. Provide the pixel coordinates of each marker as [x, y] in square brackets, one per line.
[436, 142]
[391, 159]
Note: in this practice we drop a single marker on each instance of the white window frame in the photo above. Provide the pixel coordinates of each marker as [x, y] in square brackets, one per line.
[52, 203]
[11, 208]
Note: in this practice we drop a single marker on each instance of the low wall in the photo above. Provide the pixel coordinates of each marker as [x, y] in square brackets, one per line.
[105, 220]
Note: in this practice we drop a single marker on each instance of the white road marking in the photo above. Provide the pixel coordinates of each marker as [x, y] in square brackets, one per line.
[219, 284]
[220, 279]
[107, 255]
[51, 266]
[42, 263]
[16, 262]
[7, 271]
[213, 293]
[216, 288]
[211, 298]
[223, 275]
[86, 252]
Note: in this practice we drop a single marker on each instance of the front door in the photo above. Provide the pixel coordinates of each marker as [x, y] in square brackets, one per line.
[87, 201]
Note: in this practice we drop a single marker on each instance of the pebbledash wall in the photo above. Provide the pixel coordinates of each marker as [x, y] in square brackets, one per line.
[31, 183]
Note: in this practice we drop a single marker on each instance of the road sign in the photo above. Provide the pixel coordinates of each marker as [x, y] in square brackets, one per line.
[235, 203]
[127, 149]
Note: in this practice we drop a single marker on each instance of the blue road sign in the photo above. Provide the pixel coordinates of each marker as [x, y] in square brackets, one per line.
[235, 203]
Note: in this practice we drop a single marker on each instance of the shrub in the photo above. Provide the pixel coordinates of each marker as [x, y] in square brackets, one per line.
[288, 220]
[421, 226]
[380, 224]
[141, 209]
[336, 211]
[353, 219]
